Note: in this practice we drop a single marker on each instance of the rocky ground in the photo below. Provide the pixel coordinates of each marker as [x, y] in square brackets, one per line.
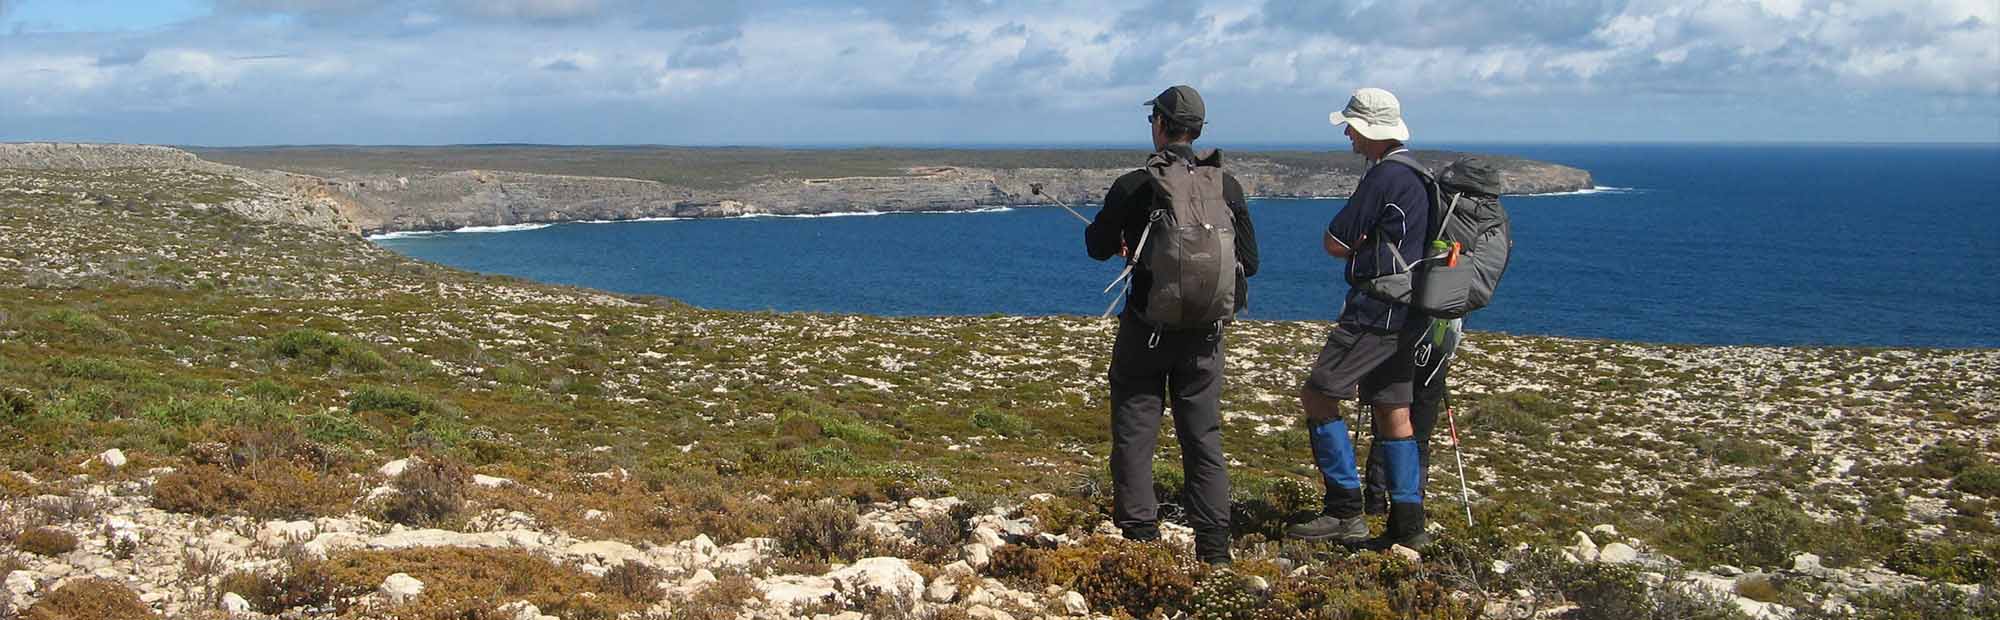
[306, 425]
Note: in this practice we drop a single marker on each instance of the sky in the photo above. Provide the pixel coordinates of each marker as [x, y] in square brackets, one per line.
[937, 72]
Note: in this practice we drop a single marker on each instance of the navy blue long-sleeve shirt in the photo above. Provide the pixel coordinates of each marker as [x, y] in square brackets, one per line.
[1391, 199]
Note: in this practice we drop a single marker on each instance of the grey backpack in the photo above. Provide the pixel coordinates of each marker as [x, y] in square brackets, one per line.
[1192, 256]
[1471, 242]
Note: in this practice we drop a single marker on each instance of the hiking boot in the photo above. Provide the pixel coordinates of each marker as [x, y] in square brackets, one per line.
[1329, 527]
[1406, 528]
[1143, 533]
[1212, 548]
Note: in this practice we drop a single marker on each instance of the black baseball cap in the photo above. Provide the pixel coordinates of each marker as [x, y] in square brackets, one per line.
[1180, 104]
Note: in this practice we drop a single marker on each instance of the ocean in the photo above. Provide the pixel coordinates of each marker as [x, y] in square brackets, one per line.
[1844, 245]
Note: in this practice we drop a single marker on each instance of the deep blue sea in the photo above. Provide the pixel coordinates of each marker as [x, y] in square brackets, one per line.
[1893, 245]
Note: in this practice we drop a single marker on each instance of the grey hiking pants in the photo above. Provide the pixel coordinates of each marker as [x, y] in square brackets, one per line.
[1187, 364]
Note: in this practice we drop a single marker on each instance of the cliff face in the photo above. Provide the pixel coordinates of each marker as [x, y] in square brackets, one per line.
[425, 197]
[262, 195]
[489, 198]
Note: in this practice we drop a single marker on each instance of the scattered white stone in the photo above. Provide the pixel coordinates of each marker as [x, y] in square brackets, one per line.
[1500, 567]
[234, 604]
[942, 590]
[1074, 603]
[21, 582]
[703, 545]
[394, 468]
[1726, 570]
[1406, 553]
[491, 482]
[1618, 553]
[1806, 563]
[521, 610]
[400, 588]
[1585, 550]
[988, 536]
[890, 576]
[1605, 529]
[977, 555]
[595, 515]
[113, 458]
[796, 589]
[982, 612]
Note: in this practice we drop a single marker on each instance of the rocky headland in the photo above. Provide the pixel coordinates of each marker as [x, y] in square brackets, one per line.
[445, 188]
[214, 407]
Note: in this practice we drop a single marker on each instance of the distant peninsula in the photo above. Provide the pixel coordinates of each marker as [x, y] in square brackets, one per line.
[372, 190]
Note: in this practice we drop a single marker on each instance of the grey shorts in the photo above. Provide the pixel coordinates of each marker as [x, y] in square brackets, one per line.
[1370, 364]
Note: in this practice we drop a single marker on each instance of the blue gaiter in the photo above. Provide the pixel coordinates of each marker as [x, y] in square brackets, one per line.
[1405, 470]
[1334, 453]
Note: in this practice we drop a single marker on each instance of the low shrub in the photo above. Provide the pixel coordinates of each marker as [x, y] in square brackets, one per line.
[267, 489]
[723, 600]
[1225, 595]
[822, 531]
[1765, 533]
[1113, 574]
[1982, 480]
[635, 581]
[1001, 423]
[1947, 458]
[16, 404]
[85, 326]
[428, 492]
[90, 599]
[46, 541]
[391, 400]
[1940, 560]
[1929, 602]
[326, 351]
[1518, 413]
[468, 583]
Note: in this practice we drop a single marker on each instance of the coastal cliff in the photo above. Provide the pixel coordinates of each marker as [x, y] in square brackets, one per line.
[443, 188]
[375, 190]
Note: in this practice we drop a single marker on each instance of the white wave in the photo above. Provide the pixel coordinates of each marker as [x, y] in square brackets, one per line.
[869, 213]
[1601, 189]
[406, 234]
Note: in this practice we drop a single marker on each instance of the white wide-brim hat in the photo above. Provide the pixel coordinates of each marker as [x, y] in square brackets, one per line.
[1373, 113]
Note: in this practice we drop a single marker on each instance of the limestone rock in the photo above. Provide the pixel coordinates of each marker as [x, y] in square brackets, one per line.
[394, 468]
[982, 612]
[1585, 550]
[1406, 553]
[1074, 603]
[792, 590]
[113, 458]
[942, 590]
[1618, 553]
[890, 576]
[234, 604]
[977, 555]
[491, 482]
[400, 588]
[1807, 563]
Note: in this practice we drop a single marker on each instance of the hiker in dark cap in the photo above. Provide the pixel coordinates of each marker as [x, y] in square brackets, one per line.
[1161, 218]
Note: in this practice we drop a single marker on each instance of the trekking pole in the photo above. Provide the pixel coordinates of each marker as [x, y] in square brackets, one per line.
[1464, 492]
[1037, 189]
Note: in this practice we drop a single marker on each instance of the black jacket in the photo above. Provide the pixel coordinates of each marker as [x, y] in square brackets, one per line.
[1130, 203]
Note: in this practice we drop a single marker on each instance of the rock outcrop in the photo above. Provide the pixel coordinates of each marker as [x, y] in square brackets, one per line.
[432, 199]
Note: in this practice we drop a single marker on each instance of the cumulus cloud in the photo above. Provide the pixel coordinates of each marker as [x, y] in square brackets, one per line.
[479, 66]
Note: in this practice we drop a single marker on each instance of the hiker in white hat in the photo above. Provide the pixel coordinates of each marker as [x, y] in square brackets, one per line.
[1368, 356]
